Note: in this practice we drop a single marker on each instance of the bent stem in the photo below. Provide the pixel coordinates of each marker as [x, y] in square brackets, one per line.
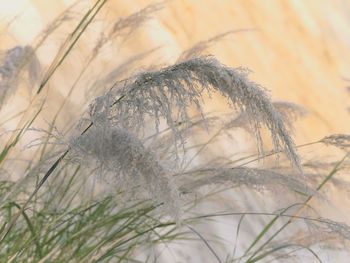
[72, 39]
[44, 179]
[21, 211]
[253, 257]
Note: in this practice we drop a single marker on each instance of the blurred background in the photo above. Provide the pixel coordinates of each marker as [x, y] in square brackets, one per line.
[296, 49]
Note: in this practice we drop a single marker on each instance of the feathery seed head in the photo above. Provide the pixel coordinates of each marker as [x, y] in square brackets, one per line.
[120, 153]
[170, 92]
[12, 62]
[341, 141]
[254, 178]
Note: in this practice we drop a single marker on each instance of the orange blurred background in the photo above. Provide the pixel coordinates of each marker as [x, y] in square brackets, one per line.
[299, 50]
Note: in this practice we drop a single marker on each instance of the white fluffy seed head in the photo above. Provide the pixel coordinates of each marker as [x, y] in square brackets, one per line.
[169, 93]
[12, 63]
[113, 141]
[117, 151]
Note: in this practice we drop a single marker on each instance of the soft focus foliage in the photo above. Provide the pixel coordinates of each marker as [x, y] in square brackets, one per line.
[12, 63]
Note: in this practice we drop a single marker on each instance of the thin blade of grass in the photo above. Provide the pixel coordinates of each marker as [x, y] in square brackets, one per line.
[324, 181]
[71, 41]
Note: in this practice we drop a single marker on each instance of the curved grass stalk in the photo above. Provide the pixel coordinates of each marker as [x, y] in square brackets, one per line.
[269, 252]
[73, 38]
[71, 41]
[272, 222]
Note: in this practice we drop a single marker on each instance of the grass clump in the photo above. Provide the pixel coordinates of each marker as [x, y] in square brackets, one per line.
[123, 184]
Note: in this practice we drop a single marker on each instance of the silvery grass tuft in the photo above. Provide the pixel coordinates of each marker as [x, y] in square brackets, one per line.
[124, 27]
[119, 116]
[12, 63]
[252, 178]
[289, 112]
[117, 152]
[170, 92]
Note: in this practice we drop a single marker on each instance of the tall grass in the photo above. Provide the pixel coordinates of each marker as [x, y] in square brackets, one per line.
[135, 178]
